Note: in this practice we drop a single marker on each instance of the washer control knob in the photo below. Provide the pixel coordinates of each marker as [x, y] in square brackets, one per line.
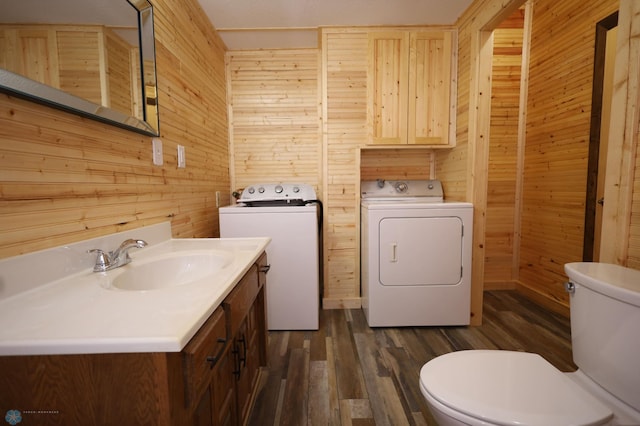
[261, 190]
[401, 187]
[251, 190]
[430, 186]
[296, 189]
[279, 189]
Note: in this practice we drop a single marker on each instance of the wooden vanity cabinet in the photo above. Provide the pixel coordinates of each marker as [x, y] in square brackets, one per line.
[245, 307]
[233, 354]
[410, 77]
[208, 368]
[212, 381]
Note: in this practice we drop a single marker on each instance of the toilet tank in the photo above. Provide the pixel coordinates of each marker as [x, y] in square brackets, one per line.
[605, 326]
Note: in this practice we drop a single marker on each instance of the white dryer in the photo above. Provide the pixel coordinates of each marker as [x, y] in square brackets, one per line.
[415, 255]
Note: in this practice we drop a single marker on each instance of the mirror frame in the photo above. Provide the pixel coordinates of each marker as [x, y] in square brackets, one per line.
[17, 85]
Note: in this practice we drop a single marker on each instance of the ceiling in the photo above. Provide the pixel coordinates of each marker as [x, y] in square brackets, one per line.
[274, 24]
[254, 24]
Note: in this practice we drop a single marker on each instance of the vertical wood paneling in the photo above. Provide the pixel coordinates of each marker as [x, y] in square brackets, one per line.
[430, 87]
[633, 250]
[274, 112]
[388, 87]
[65, 178]
[621, 216]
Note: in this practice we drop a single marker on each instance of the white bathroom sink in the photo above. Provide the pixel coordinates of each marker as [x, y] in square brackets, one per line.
[170, 270]
[156, 303]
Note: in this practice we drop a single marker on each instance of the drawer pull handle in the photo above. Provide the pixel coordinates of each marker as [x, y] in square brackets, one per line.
[243, 357]
[213, 360]
[265, 268]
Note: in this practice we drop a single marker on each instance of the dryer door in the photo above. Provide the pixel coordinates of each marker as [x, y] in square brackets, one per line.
[419, 251]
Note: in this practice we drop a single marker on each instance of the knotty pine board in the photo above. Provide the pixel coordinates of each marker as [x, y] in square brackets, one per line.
[500, 232]
[274, 117]
[556, 149]
[65, 178]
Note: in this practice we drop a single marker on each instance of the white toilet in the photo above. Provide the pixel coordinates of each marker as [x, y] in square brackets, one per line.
[492, 387]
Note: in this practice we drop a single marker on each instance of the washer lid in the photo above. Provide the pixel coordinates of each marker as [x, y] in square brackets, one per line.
[510, 388]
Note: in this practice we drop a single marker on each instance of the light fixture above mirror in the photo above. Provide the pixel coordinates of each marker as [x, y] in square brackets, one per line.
[88, 57]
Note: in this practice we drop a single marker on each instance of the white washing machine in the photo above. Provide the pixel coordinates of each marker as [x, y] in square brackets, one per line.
[289, 214]
[415, 255]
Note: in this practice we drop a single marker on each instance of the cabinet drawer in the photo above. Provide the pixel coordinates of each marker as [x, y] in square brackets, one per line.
[202, 354]
[238, 303]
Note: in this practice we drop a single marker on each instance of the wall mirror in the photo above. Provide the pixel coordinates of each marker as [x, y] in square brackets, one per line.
[94, 58]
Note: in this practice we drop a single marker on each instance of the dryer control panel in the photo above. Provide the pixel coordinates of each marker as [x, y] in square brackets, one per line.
[380, 189]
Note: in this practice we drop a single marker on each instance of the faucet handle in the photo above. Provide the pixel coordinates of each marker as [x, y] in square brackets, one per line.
[103, 261]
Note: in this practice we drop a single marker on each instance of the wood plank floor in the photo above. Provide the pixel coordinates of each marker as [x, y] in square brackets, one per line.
[347, 373]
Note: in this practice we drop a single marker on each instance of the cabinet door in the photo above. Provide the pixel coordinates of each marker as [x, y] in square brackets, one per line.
[224, 402]
[387, 87]
[429, 87]
[242, 373]
[31, 52]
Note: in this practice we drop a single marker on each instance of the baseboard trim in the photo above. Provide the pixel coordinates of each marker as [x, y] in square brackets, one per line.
[552, 304]
[343, 303]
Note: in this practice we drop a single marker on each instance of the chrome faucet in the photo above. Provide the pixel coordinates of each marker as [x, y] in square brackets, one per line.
[117, 258]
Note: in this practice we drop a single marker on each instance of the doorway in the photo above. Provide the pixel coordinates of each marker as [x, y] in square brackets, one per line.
[506, 149]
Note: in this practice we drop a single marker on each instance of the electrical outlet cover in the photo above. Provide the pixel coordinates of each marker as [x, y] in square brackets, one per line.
[157, 151]
[182, 161]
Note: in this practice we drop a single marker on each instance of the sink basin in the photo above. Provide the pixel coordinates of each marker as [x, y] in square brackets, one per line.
[170, 271]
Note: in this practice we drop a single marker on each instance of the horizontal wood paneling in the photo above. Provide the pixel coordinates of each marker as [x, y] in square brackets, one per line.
[344, 76]
[556, 152]
[503, 150]
[64, 178]
[396, 164]
[348, 158]
[274, 117]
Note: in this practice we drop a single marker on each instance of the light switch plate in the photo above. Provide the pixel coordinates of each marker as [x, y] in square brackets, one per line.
[182, 161]
[156, 143]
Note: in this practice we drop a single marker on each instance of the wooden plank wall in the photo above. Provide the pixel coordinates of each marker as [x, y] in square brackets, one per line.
[276, 135]
[500, 234]
[396, 164]
[348, 159]
[274, 117]
[344, 77]
[64, 178]
[120, 76]
[560, 74]
[621, 212]
[556, 150]
[633, 250]
[625, 136]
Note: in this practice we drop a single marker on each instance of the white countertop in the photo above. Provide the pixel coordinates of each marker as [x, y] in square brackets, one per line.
[82, 313]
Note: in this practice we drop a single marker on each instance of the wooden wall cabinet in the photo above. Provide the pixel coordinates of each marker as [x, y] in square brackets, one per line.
[211, 382]
[410, 79]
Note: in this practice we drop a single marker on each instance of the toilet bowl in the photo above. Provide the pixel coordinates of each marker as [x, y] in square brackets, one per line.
[494, 387]
[488, 387]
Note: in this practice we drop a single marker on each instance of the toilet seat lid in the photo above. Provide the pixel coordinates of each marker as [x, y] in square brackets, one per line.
[510, 388]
